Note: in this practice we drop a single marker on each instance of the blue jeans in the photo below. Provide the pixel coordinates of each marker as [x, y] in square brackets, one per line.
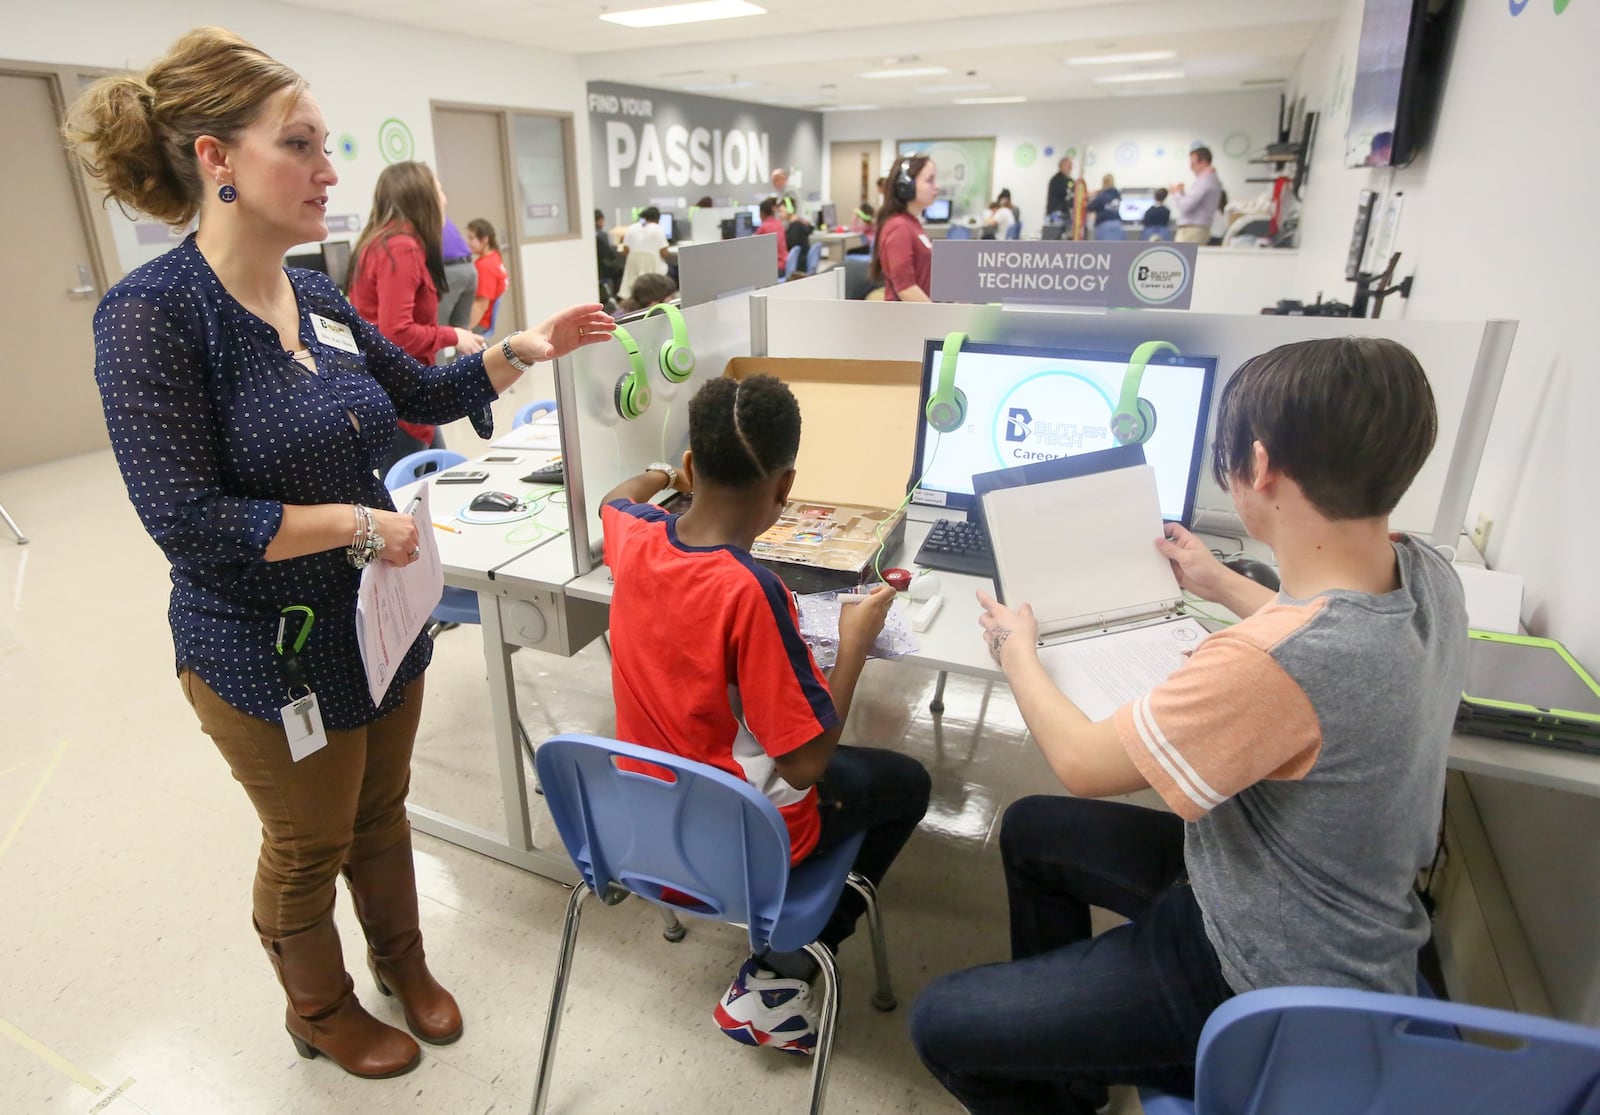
[1070, 1013]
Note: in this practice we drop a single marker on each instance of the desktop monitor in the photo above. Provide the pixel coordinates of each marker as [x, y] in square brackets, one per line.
[666, 227]
[336, 261]
[744, 223]
[310, 261]
[1038, 404]
[938, 210]
[828, 216]
[1134, 203]
[1052, 232]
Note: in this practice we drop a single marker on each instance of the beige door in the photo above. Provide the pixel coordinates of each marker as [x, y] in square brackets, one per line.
[470, 147]
[853, 174]
[49, 407]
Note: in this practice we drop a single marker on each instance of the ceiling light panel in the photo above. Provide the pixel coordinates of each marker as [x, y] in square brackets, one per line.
[914, 71]
[1118, 59]
[702, 11]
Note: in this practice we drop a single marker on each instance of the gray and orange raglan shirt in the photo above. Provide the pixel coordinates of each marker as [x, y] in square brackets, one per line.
[1305, 748]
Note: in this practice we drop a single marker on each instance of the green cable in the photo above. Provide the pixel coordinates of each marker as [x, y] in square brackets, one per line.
[1190, 608]
[877, 557]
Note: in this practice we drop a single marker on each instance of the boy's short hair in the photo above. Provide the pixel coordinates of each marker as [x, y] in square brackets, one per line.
[1161, 195]
[1349, 419]
[769, 207]
[743, 431]
[650, 213]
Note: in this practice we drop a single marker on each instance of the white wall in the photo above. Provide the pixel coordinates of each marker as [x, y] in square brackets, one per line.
[361, 73]
[1496, 224]
[1144, 141]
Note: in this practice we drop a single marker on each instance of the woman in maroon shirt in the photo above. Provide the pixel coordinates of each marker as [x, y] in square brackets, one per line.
[398, 274]
[903, 256]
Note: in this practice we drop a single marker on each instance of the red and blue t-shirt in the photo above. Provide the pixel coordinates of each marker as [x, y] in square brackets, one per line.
[707, 659]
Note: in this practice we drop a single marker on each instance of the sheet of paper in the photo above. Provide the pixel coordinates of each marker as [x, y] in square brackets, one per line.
[394, 603]
[543, 432]
[1103, 673]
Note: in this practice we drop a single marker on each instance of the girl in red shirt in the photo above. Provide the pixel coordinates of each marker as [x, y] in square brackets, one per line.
[491, 273]
[398, 274]
[903, 255]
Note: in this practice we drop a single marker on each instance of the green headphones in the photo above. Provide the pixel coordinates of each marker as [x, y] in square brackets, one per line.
[1133, 421]
[677, 358]
[947, 409]
[633, 390]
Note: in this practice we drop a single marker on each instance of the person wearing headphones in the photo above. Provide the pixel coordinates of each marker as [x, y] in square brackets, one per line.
[903, 258]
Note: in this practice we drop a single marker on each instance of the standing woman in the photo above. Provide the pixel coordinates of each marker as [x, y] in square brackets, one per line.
[247, 406]
[491, 273]
[396, 277]
[1107, 210]
[903, 254]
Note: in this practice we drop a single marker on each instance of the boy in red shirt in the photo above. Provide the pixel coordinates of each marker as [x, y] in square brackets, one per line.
[772, 225]
[708, 663]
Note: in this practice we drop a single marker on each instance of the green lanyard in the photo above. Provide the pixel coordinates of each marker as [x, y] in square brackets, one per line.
[294, 674]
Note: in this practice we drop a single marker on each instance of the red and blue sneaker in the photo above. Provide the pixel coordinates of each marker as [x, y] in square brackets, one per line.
[762, 1008]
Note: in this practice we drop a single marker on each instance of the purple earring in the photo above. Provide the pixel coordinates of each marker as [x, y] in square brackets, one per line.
[227, 193]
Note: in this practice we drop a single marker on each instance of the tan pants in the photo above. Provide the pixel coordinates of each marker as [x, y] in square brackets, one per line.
[1193, 234]
[343, 804]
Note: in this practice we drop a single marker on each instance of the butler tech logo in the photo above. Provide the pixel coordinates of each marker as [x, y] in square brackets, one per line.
[1057, 413]
[1158, 276]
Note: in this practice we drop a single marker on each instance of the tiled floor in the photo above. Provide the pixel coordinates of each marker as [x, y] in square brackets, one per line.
[130, 978]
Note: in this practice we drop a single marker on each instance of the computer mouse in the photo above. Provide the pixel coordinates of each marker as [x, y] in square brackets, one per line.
[494, 501]
[1258, 571]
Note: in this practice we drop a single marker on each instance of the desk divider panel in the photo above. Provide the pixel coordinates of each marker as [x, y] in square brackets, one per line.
[1464, 362]
[599, 448]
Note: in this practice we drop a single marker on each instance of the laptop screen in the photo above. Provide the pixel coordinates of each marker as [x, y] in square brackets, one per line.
[1038, 404]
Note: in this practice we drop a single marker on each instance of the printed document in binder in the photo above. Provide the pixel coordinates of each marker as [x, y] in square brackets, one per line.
[394, 602]
[1075, 539]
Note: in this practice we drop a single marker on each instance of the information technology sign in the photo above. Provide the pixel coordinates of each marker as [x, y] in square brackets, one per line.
[1104, 273]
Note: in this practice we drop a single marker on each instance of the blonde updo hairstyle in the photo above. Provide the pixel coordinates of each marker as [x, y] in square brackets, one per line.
[137, 134]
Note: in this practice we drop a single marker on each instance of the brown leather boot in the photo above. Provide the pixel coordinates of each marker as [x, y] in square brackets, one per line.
[385, 893]
[324, 1015]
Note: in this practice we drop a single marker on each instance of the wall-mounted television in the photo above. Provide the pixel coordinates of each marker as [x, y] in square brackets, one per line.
[1400, 68]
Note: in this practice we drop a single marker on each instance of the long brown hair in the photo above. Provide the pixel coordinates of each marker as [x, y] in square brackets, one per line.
[483, 229]
[137, 134]
[893, 206]
[405, 203]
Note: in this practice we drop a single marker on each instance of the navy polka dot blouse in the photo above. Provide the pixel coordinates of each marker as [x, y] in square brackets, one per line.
[216, 427]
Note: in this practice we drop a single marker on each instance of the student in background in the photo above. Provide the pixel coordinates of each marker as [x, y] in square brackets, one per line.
[397, 272]
[1197, 206]
[644, 249]
[461, 278]
[902, 253]
[772, 225]
[1106, 206]
[247, 405]
[608, 258]
[1000, 216]
[1302, 753]
[708, 663]
[647, 291]
[1058, 195]
[491, 271]
[1158, 219]
[862, 220]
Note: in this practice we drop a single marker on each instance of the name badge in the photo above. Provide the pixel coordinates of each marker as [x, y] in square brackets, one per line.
[926, 243]
[334, 333]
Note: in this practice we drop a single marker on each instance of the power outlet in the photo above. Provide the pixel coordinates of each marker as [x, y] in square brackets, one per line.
[1480, 533]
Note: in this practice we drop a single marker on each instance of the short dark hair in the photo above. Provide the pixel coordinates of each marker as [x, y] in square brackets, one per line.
[769, 207]
[1349, 419]
[743, 431]
[1161, 195]
[1203, 152]
[599, 215]
[649, 213]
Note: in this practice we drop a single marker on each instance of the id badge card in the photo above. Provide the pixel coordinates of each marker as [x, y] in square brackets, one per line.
[302, 723]
[335, 334]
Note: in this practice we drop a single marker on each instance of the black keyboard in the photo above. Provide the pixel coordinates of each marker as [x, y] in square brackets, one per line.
[958, 547]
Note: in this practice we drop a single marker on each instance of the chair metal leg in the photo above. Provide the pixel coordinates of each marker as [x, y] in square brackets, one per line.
[22, 539]
[936, 705]
[882, 998]
[558, 996]
[675, 930]
[827, 1020]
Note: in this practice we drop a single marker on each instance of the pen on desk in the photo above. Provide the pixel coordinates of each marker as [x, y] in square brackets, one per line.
[446, 526]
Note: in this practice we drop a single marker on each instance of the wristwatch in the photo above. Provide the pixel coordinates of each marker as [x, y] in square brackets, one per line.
[511, 357]
[663, 467]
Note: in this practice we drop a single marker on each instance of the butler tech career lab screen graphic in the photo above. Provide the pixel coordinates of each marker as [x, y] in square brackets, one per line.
[1025, 406]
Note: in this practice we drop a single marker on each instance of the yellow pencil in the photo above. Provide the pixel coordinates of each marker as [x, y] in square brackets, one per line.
[446, 526]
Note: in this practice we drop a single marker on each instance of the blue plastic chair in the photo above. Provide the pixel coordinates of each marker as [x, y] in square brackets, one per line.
[1157, 232]
[458, 605]
[958, 232]
[709, 836]
[1331, 1051]
[525, 414]
[813, 258]
[1014, 230]
[791, 261]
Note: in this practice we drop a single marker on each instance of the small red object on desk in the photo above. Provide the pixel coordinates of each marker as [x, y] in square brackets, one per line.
[897, 579]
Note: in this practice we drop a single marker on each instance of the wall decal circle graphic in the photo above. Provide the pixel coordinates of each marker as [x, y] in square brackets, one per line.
[394, 140]
[1025, 154]
[348, 147]
[1127, 154]
[1236, 146]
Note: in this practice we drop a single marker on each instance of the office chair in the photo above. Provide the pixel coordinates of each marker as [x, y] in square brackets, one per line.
[1014, 230]
[1331, 1050]
[640, 821]
[959, 232]
[813, 258]
[857, 277]
[1158, 232]
[525, 414]
[494, 316]
[791, 261]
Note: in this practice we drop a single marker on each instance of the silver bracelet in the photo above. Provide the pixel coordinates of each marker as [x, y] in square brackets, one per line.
[511, 357]
[371, 541]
